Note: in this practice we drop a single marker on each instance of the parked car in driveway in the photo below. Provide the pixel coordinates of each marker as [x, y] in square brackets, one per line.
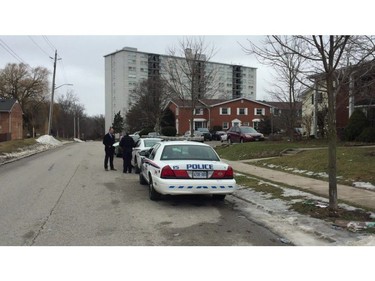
[216, 135]
[243, 134]
[185, 167]
[206, 133]
[197, 136]
[224, 137]
[140, 145]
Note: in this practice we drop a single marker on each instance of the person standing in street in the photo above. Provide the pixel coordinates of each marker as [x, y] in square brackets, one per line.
[108, 141]
[127, 144]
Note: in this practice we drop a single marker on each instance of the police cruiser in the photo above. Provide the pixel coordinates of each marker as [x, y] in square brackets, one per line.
[185, 167]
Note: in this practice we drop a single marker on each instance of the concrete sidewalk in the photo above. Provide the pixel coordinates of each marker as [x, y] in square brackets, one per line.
[359, 197]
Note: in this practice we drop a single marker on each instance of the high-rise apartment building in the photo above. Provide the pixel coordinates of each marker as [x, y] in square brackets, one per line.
[125, 68]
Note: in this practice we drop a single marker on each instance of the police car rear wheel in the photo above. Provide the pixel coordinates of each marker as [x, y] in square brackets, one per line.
[219, 197]
[154, 195]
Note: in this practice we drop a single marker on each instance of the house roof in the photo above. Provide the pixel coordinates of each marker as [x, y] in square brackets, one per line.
[215, 102]
[6, 105]
[284, 105]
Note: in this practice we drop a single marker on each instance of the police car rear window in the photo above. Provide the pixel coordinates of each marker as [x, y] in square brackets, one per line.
[188, 152]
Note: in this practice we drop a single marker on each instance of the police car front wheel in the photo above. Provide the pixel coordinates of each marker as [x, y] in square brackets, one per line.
[153, 194]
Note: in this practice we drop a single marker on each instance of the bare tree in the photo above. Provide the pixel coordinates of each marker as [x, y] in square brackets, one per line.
[29, 86]
[329, 59]
[187, 73]
[67, 114]
[289, 71]
[149, 99]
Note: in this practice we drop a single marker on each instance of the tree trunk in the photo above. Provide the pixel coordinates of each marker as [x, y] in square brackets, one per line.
[332, 136]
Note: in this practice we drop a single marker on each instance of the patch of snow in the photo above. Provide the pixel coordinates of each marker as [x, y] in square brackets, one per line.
[364, 185]
[49, 140]
[290, 225]
[365, 241]
[77, 140]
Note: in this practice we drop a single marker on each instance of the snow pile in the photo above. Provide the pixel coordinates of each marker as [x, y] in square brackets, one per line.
[24, 152]
[77, 140]
[49, 140]
[364, 185]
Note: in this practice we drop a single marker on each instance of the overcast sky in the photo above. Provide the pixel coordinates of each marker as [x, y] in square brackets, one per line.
[82, 58]
[82, 61]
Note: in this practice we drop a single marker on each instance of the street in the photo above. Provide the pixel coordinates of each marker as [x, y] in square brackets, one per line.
[64, 197]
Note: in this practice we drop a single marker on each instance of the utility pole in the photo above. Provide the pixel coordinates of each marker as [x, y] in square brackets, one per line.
[74, 126]
[53, 92]
[78, 134]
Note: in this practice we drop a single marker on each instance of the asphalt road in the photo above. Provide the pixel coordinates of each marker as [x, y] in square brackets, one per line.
[64, 197]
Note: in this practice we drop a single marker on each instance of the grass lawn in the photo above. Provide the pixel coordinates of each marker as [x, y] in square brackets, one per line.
[14, 145]
[255, 150]
[354, 163]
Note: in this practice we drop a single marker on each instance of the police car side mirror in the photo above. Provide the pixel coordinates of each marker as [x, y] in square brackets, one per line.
[145, 153]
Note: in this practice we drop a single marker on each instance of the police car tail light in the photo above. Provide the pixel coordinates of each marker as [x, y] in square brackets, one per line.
[223, 174]
[168, 173]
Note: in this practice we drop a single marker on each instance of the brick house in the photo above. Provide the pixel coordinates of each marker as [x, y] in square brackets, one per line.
[11, 120]
[217, 112]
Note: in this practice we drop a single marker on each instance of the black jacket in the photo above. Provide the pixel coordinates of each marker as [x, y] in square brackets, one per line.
[127, 143]
[108, 141]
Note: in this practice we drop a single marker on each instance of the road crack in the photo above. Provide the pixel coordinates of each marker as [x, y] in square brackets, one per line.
[53, 208]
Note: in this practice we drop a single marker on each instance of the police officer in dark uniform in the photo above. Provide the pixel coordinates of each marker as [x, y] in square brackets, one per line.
[127, 143]
[108, 141]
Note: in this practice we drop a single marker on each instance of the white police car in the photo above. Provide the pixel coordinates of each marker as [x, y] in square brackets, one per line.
[185, 167]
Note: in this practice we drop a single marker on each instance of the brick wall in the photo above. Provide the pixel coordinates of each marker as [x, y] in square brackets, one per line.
[215, 118]
[12, 123]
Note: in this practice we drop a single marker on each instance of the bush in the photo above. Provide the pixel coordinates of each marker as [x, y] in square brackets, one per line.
[357, 123]
[217, 128]
[169, 131]
[145, 131]
[367, 135]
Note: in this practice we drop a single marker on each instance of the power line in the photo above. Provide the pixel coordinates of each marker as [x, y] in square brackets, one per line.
[11, 52]
[40, 48]
[59, 58]
[49, 43]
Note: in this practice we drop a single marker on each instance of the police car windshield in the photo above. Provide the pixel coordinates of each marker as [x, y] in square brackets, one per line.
[189, 152]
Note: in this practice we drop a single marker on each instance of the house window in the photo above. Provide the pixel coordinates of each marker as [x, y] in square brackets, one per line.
[224, 111]
[241, 111]
[259, 111]
[246, 123]
[198, 111]
[225, 125]
[177, 111]
[276, 112]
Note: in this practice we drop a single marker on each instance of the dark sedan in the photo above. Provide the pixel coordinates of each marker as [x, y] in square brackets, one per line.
[243, 134]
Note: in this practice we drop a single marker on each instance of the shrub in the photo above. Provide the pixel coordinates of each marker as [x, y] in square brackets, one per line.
[357, 123]
[217, 128]
[169, 131]
[367, 135]
[145, 131]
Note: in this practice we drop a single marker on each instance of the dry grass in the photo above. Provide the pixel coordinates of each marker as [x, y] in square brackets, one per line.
[14, 145]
